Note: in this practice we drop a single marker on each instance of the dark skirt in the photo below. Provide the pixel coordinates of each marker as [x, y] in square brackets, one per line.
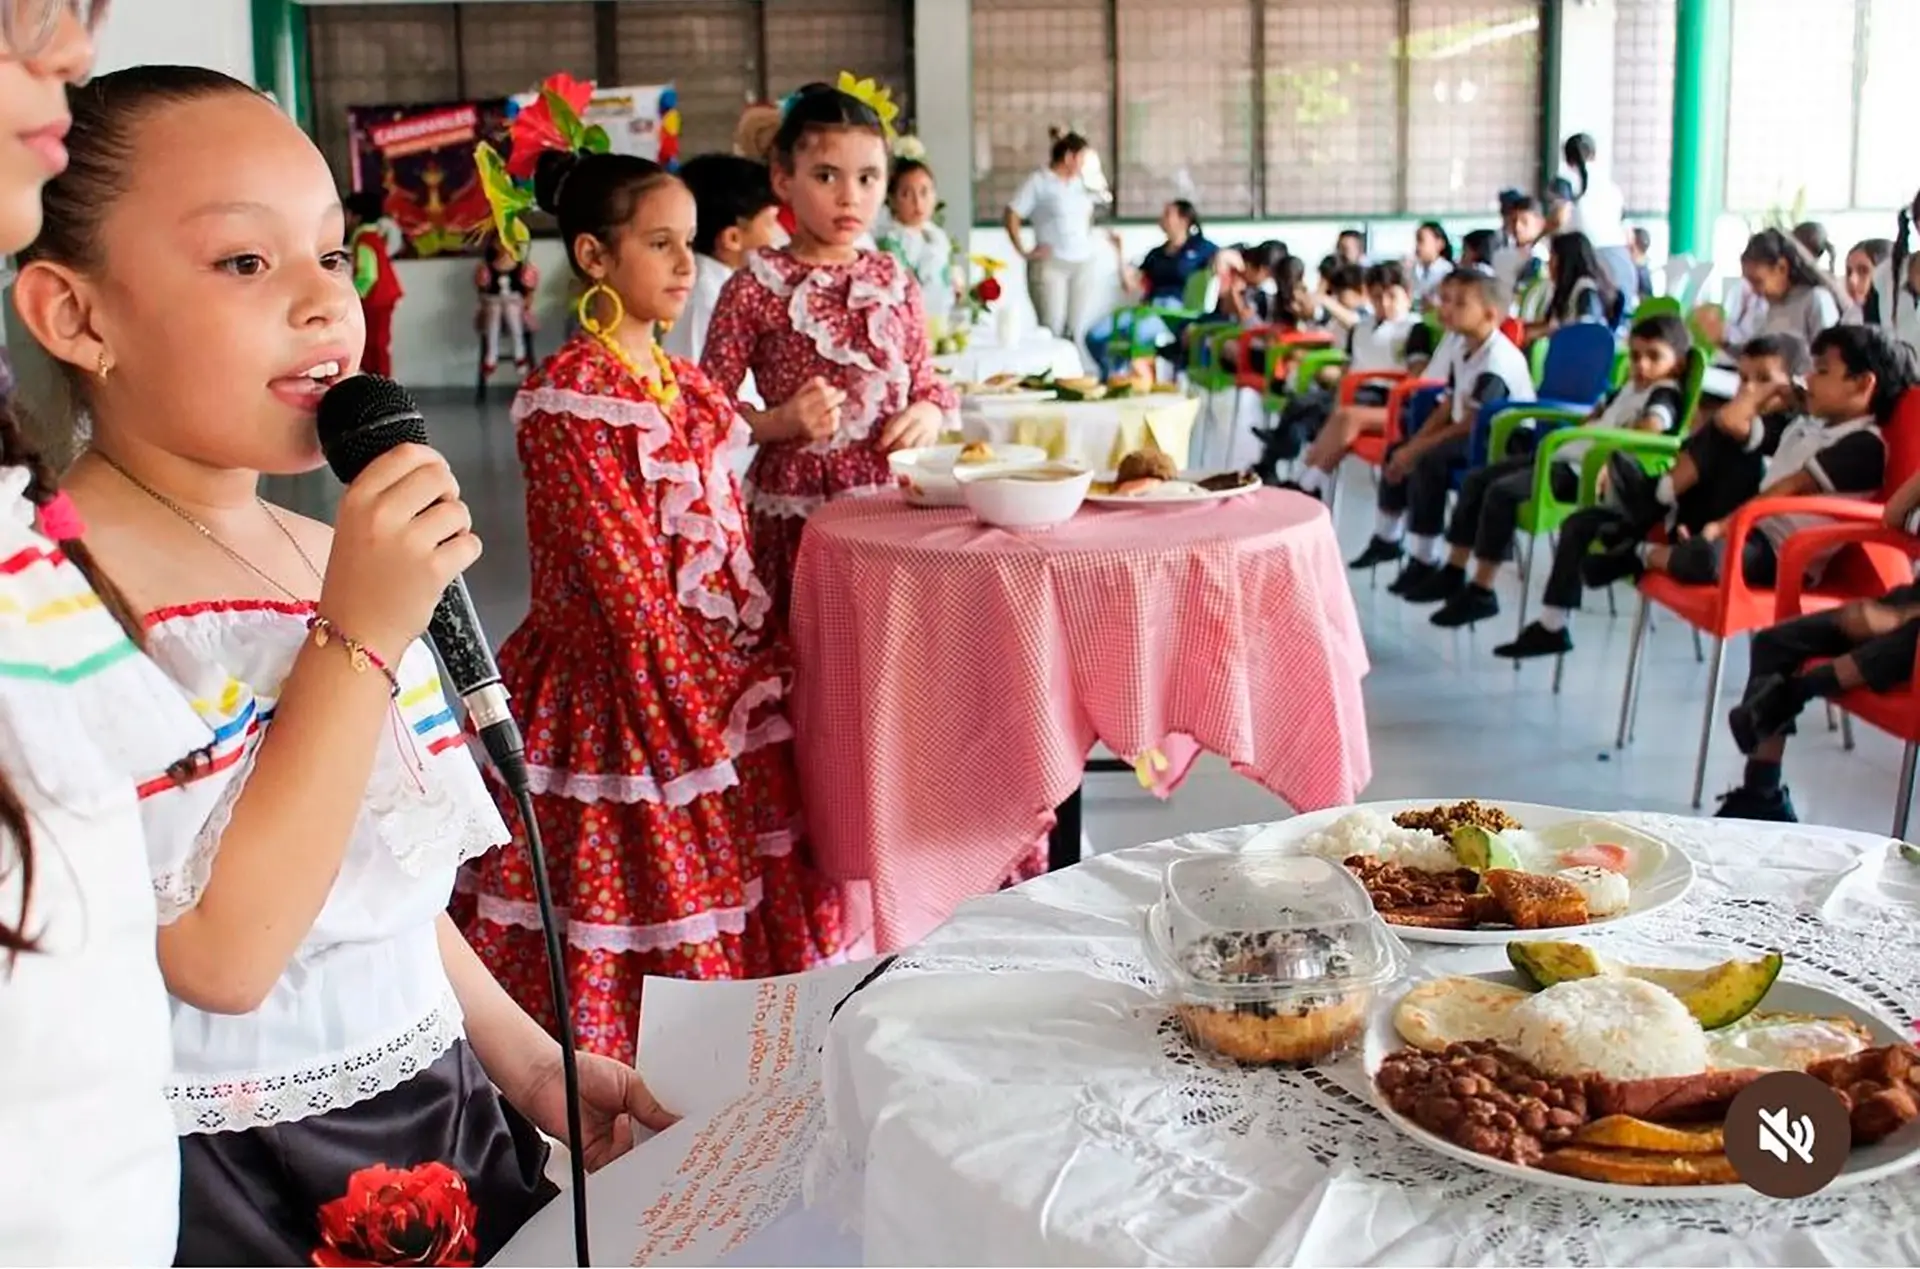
[439, 1171]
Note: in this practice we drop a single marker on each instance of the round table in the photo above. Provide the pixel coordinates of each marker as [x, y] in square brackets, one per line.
[1097, 433]
[952, 677]
[1012, 1091]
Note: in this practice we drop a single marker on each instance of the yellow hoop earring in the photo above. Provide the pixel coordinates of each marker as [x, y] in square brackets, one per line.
[665, 327]
[592, 325]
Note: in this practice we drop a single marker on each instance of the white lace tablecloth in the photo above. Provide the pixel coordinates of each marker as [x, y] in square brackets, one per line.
[1013, 1092]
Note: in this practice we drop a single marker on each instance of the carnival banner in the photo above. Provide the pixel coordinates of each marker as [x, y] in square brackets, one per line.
[642, 120]
[420, 159]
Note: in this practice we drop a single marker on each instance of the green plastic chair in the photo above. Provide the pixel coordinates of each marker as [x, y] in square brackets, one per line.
[1657, 306]
[1543, 513]
[1126, 321]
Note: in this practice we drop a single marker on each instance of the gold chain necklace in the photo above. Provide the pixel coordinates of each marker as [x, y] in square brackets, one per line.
[214, 538]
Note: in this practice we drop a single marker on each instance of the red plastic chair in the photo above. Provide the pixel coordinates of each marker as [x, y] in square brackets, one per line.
[1249, 375]
[1897, 712]
[1733, 607]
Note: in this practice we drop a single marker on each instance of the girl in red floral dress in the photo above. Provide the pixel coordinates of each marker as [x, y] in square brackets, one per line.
[834, 335]
[646, 670]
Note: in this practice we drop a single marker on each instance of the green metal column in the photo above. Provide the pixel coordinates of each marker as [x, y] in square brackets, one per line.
[280, 56]
[1703, 72]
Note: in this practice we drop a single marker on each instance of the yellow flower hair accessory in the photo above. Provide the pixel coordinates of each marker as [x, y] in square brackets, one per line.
[874, 95]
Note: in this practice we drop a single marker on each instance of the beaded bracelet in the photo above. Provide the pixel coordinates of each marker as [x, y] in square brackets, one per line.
[359, 654]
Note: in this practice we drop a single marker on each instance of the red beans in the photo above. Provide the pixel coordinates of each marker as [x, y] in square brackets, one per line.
[1483, 1098]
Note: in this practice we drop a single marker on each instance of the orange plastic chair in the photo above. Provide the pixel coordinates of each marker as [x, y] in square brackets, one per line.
[1732, 607]
[1897, 712]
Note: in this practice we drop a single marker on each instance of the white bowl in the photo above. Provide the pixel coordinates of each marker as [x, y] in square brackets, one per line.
[1011, 497]
[925, 474]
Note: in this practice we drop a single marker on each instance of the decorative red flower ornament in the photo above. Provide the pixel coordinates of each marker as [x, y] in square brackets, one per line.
[989, 289]
[399, 1216]
[536, 129]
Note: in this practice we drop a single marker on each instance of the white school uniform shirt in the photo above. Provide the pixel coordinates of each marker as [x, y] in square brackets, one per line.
[1899, 307]
[1510, 261]
[1662, 401]
[1601, 212]
[1379, 345]
[688, 338]
[364, 1004]
[90, 1168]
[1464, 368]
[1059, 210]
[1425, 279]
[928, 254]
[1846, 460]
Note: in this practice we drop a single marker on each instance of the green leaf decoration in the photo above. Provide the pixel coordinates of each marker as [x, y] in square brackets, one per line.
[564, 119]
[595, 140]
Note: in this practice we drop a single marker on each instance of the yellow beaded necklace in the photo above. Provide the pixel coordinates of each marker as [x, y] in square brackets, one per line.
[666, 390]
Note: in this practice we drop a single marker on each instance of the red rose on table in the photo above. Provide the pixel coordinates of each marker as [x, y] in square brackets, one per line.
[988, 290]
[399, 1216]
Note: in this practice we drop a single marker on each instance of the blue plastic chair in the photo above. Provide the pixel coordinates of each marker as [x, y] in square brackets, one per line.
[1578, 372]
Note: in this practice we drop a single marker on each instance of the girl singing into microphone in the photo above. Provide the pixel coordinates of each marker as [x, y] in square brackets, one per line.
[350, 1084]
[647, 674]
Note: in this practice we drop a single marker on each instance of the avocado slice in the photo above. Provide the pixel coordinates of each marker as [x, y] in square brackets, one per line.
[1716, 997]
[1483, 851]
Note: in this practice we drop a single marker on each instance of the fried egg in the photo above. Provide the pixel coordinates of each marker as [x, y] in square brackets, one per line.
[1784, 1041]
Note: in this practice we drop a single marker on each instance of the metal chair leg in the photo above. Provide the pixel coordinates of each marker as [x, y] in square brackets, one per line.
[1833, 717]
[1903, 804]
[1709, 719]
[1559, 671]
[1526, 584]
[1630, 693]
[1699, 655]
[1846, 731]
[1613, 609]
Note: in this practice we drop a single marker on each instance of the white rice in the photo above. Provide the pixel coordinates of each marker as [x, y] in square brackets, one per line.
[1607, 893]
[1371, 833]
[1620, 1028]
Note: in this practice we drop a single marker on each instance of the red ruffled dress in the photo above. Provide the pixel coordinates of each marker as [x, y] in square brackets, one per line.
[859, 326]
[651, 692]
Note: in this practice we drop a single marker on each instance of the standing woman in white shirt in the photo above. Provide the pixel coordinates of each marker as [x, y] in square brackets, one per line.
[1600, 212]
[90, 1172]
[1063, 269]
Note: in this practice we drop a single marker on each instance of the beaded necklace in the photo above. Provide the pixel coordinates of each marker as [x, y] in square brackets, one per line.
[664, 392]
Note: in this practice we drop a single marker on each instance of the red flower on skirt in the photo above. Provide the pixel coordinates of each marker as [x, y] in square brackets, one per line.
[399, 1216]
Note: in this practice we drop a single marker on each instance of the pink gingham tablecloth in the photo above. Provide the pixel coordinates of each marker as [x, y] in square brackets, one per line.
[952, 677]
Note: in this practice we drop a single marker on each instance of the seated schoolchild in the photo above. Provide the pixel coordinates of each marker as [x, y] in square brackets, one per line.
[1771, 440]
[1871, 644]
[1479, 367]
[1582, 289]
[1486, 514]
[1383, 339]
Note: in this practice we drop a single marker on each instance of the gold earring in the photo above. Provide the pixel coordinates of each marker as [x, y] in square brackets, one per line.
[592, 325]
[666, 326]
[104, 366]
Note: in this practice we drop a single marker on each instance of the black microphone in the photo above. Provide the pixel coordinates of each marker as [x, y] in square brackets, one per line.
[362, 418]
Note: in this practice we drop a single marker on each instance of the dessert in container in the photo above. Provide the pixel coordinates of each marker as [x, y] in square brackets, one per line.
[1269, 957]
[1024, 497]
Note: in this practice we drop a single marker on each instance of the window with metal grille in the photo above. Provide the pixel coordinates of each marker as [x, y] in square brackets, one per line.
[1186, 107]
[376, 55]
[1036, 64]
[1266, 107]
[1790, 109]
[1643, 101]
[510, 48]
[1473, 102]
[1332, 106]
[811, 41]
[719, 54]
[709, 51]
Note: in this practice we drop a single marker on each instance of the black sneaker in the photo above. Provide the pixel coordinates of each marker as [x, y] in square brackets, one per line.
[1537, 641]
[1603, 570]
[1379, 551]
[1415, 573]
[1767, 711]
[1437, 587]
[1468, 605]
[1742, 803]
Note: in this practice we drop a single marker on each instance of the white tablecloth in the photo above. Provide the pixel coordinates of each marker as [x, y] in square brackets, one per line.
[1013, 1093]
[1097, 433]
[1036, 353]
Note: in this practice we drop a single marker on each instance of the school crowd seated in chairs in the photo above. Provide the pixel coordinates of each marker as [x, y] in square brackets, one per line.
[1754, 472]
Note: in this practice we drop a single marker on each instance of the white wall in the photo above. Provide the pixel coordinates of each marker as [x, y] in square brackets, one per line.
[216, 33]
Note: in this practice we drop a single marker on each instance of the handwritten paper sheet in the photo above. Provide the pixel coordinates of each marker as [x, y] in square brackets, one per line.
[740, 1062]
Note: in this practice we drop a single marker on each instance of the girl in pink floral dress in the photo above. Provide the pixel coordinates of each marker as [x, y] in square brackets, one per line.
[834, 335]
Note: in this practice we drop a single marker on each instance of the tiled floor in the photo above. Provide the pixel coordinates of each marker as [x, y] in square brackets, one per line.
[1445, 716]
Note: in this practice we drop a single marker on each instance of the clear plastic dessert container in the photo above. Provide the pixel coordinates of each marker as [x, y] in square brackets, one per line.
[1270, 958]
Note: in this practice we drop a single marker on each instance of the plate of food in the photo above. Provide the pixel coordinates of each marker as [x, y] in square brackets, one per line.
[1580, 1073]
[1010, 389]
[1474, 872]
[1148, 477]
[925, 474]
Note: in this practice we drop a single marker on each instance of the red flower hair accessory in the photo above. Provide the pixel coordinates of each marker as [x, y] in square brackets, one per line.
[399, 1216]
[552, 122]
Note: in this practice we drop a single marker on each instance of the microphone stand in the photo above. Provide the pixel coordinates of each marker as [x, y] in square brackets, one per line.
[509, 760]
